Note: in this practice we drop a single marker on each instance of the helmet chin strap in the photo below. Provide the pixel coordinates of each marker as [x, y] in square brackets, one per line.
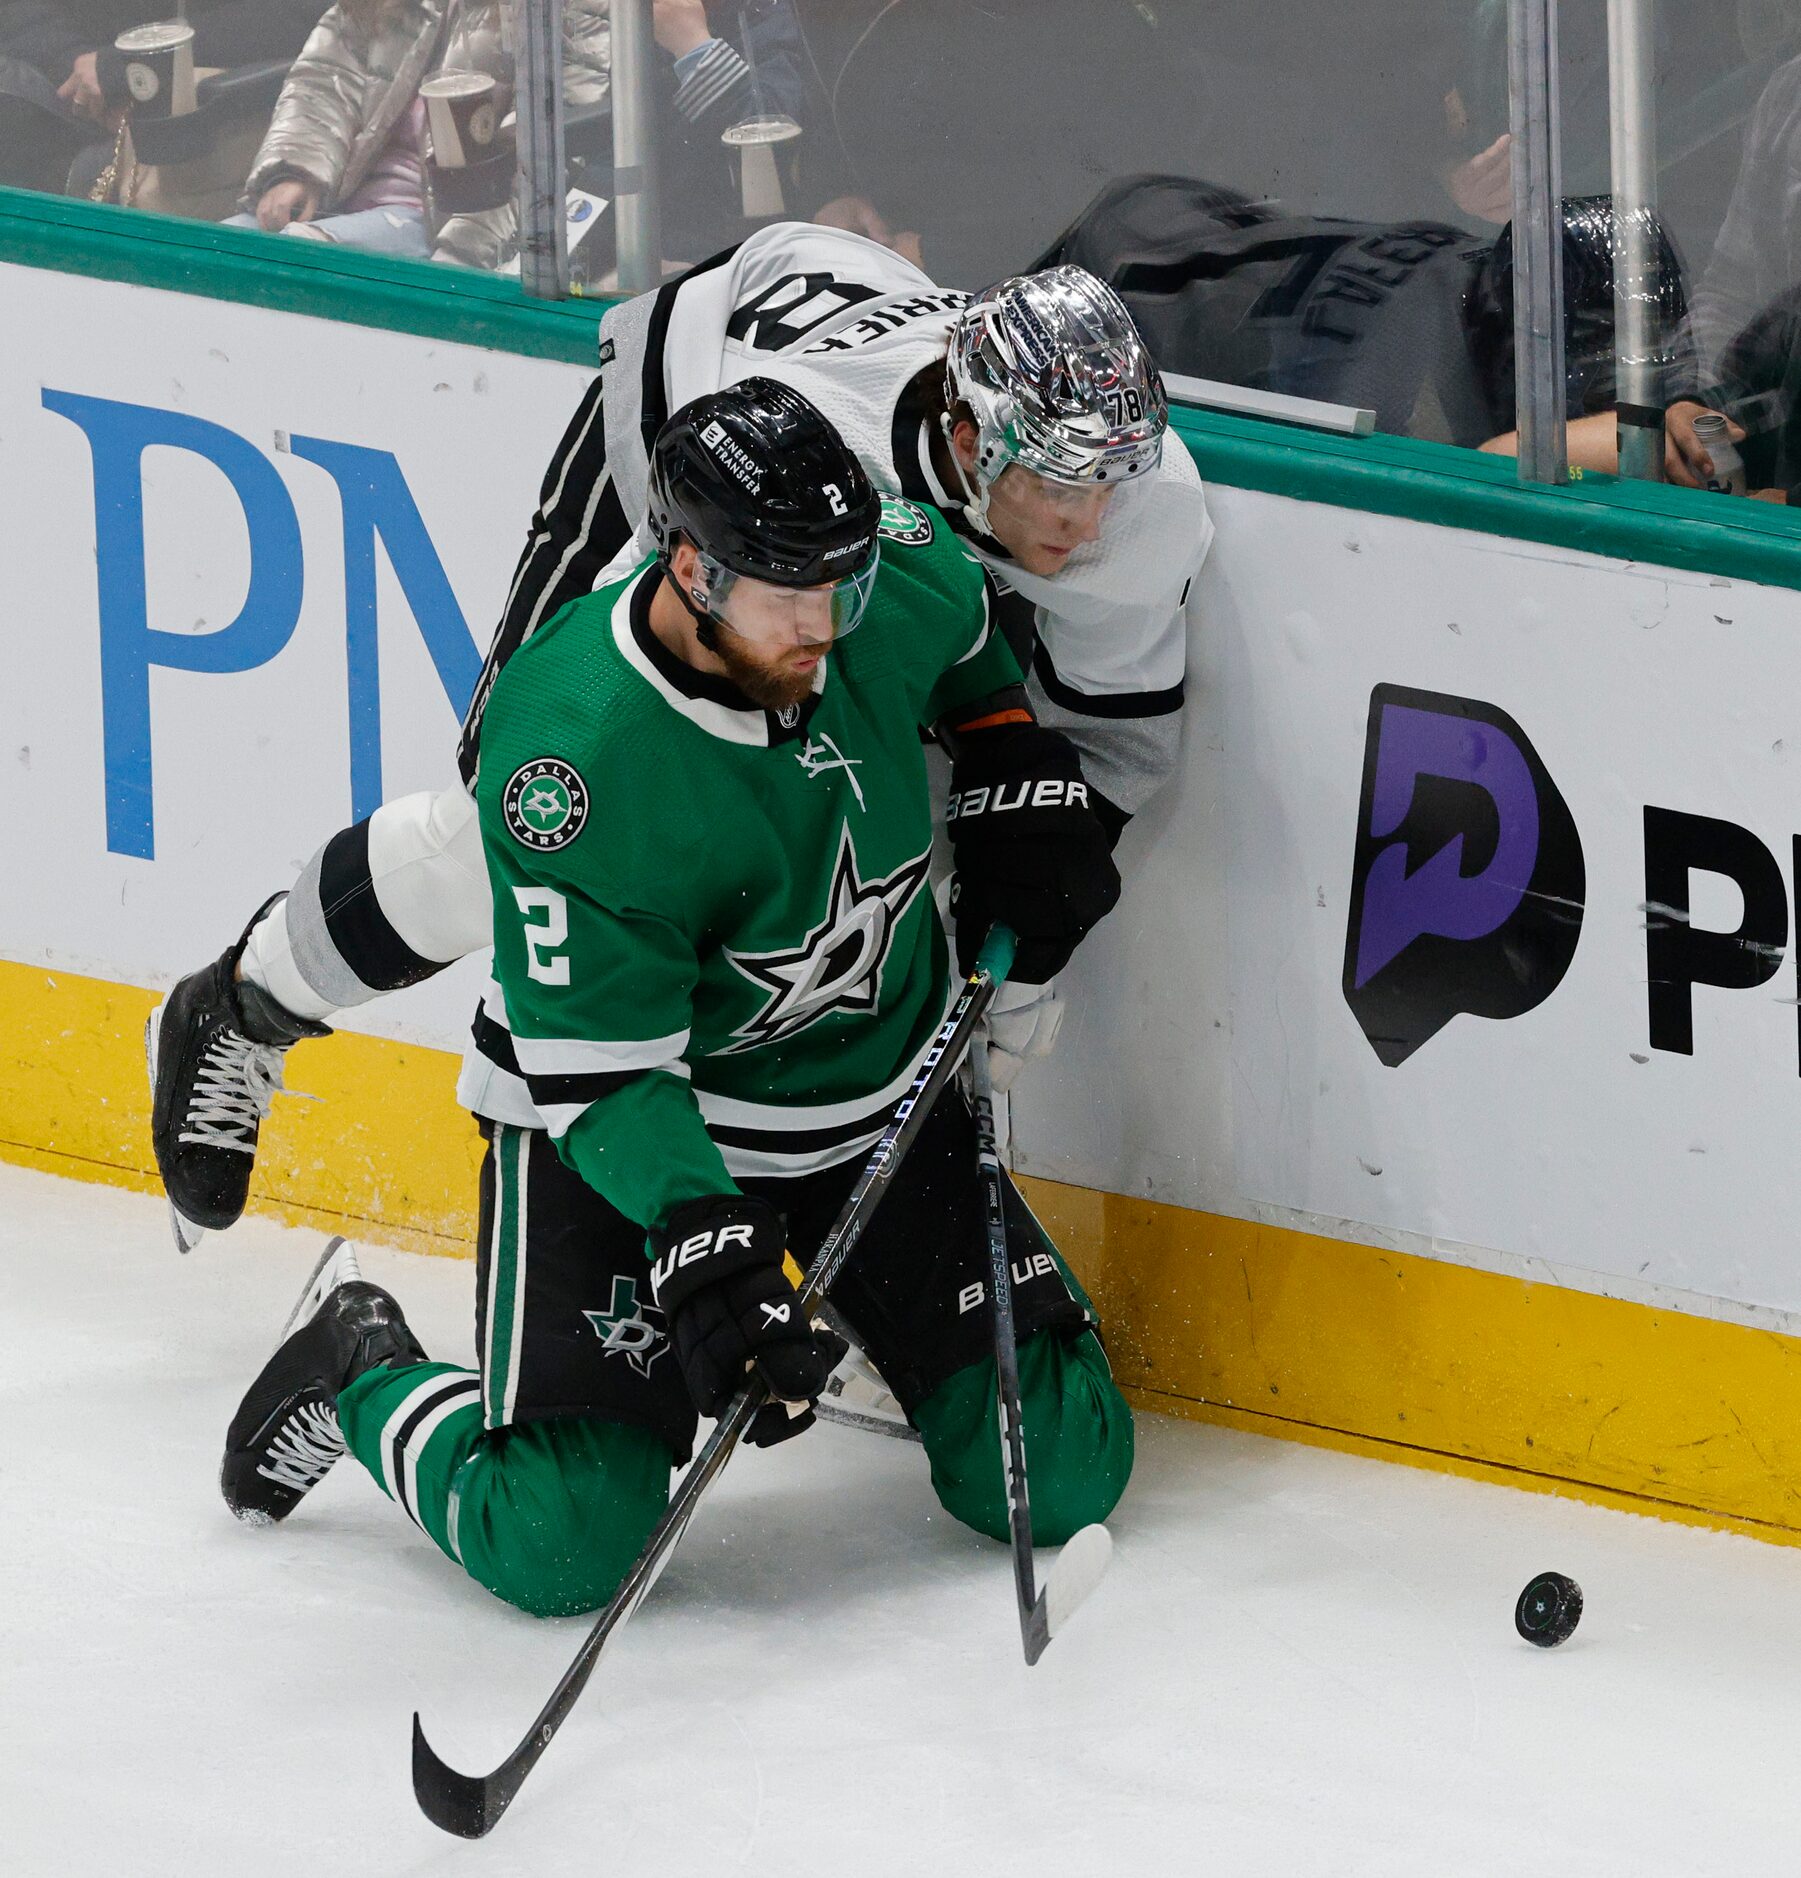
[974, 498]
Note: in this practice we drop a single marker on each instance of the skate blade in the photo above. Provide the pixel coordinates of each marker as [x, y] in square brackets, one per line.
[187, 1234]
[864, 1424]
[184, 1232]
[337, 1266]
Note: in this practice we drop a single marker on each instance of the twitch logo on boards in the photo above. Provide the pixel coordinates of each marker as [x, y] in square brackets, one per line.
[1469, 888]
[1468, 884]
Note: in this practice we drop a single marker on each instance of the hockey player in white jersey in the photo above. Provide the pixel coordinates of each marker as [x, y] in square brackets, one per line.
[1031, 416]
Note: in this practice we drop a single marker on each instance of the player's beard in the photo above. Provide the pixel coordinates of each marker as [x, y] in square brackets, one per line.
[768, 679]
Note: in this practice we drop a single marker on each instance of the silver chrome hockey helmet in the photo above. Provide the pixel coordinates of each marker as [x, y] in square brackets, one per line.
[1057, 378]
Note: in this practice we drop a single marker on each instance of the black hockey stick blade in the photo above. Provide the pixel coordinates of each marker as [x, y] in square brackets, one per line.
[466, 1804]
[470, 1805]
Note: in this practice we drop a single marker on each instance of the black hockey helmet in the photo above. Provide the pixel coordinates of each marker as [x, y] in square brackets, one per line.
[764, 487]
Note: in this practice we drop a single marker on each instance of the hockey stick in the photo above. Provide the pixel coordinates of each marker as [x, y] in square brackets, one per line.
[471, 1804]
[1084, 1558]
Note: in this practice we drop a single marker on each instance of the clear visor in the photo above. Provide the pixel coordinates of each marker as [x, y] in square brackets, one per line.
[1088, 563]
[774, 617]
[1033, 516]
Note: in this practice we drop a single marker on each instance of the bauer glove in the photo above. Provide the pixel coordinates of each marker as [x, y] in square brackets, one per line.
[1030, 850]
[722, 1275]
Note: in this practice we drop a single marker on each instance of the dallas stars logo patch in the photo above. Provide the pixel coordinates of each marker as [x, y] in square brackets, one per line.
[627, 1329]
[902, 521]
[545, 804]
[838, 965]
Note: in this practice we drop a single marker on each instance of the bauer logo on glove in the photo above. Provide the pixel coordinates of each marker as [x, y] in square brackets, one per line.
[1031, 853]
[1049, 792]
[722, 1273]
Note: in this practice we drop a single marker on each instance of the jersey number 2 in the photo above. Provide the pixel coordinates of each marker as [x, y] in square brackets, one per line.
[545, 937]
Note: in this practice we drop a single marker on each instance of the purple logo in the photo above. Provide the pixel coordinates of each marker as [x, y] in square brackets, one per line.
[1469, 883]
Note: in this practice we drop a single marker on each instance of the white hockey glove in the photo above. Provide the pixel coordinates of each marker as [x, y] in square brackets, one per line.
[1022, 1022]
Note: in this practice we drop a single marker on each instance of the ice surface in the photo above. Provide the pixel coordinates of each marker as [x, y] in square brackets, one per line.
[1299, 1663]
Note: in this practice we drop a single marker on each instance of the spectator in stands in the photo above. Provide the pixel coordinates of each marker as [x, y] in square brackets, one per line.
[729, 60]
[1745, 318]
[1331, 110]
[1413, 320]
[1711, 62]
[1755, 384]
[62, 83]
[1757, 256]
[343, 157]
[1758, 380]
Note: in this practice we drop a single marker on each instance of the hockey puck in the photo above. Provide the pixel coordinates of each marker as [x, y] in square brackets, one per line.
[1549, 1610]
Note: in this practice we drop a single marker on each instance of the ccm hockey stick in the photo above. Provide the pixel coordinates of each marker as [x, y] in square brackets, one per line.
[471, 1804]
[1084, 1559]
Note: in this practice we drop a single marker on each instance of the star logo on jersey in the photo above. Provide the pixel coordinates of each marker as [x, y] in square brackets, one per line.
[545, 804]
[838, 965]
[628, 1330]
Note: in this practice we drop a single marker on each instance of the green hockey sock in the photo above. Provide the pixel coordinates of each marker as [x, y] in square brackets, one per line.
[1078, 1435]
[548, 1515]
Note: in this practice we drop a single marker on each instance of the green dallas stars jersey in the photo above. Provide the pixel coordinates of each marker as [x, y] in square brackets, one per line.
[715, 947]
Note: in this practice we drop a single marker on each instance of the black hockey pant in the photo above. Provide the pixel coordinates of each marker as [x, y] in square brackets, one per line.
[543, 1471]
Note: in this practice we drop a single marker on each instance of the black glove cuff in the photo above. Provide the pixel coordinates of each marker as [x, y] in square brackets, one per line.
[704, 1242]
[1012, 750]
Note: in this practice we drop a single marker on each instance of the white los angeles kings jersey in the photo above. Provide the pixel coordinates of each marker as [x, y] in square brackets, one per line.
[850, 325]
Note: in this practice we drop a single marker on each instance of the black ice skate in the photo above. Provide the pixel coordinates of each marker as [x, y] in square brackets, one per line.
[215, 1050]
[285, 1436]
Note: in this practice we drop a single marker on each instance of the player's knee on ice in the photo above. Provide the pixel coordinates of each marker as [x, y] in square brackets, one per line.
[548, 1515]
[1079, 1440]
[551, 1516]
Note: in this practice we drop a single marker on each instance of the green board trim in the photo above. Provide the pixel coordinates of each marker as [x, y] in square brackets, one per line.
[290, 276]
[1628, 521]
[1434, 482]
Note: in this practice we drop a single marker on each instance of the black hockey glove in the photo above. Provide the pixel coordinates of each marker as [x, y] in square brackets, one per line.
[1030, 850]
[722, 1275]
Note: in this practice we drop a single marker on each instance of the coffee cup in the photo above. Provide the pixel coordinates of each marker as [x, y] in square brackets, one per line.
[759, 142]
[159, 68]
[463, 113]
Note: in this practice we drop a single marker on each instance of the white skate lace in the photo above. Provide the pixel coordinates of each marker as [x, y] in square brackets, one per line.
[233, 1087]
[302, 1453]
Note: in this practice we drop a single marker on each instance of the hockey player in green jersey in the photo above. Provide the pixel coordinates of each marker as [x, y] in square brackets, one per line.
[717, 962]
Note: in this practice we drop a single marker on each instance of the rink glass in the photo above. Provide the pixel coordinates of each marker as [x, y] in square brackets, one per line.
[1727, 100]
[1311, 198]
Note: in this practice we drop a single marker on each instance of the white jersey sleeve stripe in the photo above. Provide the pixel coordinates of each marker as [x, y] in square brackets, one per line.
[581, 1056]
